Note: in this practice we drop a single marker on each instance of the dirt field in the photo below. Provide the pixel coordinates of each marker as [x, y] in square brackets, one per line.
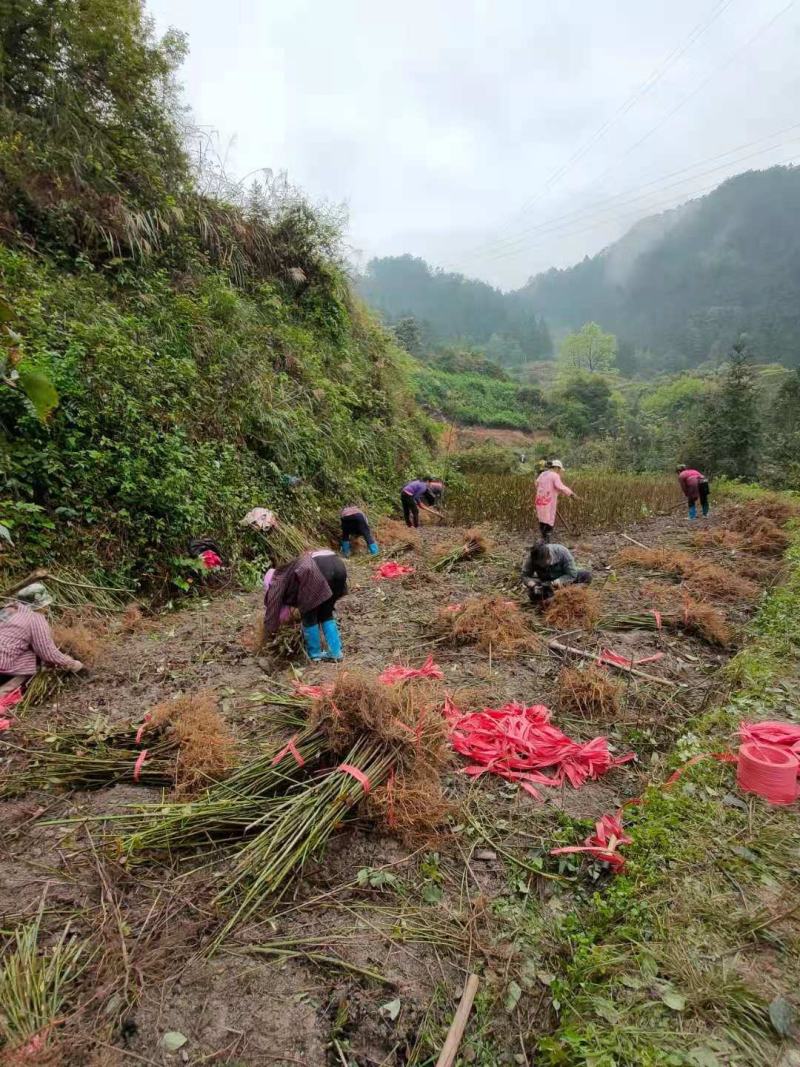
[363, 960]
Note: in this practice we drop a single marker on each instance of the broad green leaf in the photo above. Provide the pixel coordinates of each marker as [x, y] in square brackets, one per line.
[39, 390]
[513, 993]
[173, 1040]
[673, 999]
[5, 534]
[432, 893]
[391, 1009]
[606, 1010]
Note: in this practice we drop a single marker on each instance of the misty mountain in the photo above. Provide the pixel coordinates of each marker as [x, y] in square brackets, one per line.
[677, 289]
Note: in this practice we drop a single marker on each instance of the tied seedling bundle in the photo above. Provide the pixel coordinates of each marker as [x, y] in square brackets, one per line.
[226, 810]
[572, 607]
[702, 579]
[374, 734]
[474, 545]
[395, 537]
[693, 617]
[490, 623]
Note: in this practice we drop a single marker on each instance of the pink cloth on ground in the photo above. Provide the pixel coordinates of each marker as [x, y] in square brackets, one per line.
[548, 486]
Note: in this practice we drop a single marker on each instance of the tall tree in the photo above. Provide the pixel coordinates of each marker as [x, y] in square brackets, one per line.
[590, 349]
[735, 431]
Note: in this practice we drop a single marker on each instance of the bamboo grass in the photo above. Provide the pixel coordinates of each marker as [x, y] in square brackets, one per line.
[225, 811]
[294, 829]
[34, 984]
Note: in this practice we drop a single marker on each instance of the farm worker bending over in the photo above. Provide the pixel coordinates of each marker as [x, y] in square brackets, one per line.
[26, 641]
[412, 496]
[549, 567]
[354, 524]
[548, 486]
[695, 487]
[312, 583]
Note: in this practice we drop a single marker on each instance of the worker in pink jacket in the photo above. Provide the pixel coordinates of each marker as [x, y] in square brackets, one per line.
[695, 488]
[548, 487]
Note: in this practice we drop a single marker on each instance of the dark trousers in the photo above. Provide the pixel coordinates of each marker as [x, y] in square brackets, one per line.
[703, 491]
[335, 574]
[546, 530]
[356, 526]
[410, 509]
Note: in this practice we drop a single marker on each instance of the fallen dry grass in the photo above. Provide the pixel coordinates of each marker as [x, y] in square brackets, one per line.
[395, 535]
[82, 638]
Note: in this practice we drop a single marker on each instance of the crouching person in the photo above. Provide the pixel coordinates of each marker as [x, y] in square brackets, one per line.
[550, 567]
[26, 640]
[312, 583]
[355, 524]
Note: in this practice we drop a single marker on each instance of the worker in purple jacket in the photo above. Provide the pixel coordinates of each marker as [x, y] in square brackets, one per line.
[412, 496]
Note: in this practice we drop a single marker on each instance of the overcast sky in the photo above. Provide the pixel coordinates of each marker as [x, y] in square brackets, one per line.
[495, 137]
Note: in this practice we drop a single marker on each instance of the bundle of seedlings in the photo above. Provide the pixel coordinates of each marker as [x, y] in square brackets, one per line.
[490, 623]
[206, 747]
[36, 985]
[709, 580]
[719, 537]
[742, 517]
[76, 760]
[572, 607]
[765, 538]
[693, 617]
[661, 560]
[284, 542]
[474, 545]
[226, 810]
[372, 731]
[589, 692]
[395, 537]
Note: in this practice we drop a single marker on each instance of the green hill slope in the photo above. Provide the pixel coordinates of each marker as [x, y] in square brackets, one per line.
[202, 348]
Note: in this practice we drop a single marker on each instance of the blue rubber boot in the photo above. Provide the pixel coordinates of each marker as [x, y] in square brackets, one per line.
[332, 640]
[313, 642]
[693, 510]
[346, 549]
[373, 548]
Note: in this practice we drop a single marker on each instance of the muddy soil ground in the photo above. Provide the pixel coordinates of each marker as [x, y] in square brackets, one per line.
[378, 959]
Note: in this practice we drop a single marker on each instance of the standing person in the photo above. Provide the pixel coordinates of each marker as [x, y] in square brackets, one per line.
[355, 524]
[695, 487]
[412, 496]
[312, 583]
[549, 567]
[548, 487]
[26, 640]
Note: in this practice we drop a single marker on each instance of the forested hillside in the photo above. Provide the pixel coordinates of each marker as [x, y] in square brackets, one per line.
[684, 285]
[677, 290]
[169, 360]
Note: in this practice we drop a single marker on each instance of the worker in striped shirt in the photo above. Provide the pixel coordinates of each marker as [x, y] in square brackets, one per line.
[26, 641]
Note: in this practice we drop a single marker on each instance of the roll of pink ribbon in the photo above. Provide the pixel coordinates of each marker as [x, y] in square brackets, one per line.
[769, 771]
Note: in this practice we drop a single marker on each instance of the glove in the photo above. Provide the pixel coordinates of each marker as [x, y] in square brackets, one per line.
[530, 583]
[556, 583]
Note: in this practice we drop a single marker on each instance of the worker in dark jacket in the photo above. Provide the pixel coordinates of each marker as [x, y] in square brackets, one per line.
[312, 583]
[549, 567]
[695, 487]
[355, 524]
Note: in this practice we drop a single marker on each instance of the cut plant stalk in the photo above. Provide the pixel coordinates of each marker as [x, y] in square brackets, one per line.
[298, 827]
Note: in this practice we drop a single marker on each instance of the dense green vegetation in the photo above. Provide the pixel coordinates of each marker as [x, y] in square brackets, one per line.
[429, 307]
[677, 290]
[201, 349]
[471, 391]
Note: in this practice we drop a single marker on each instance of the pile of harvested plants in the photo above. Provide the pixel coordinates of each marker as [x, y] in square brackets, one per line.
[589, 692]
[660, 560]
[206, 748]
[395, 537]
[374, 732]
[702, 579]
[490, 623]
[693, 617]
[473, 546]
[573, 607]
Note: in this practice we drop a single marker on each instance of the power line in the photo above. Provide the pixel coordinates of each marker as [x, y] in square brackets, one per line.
[559, 222]
[684, 198]
[500, 243]
[653, 78]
